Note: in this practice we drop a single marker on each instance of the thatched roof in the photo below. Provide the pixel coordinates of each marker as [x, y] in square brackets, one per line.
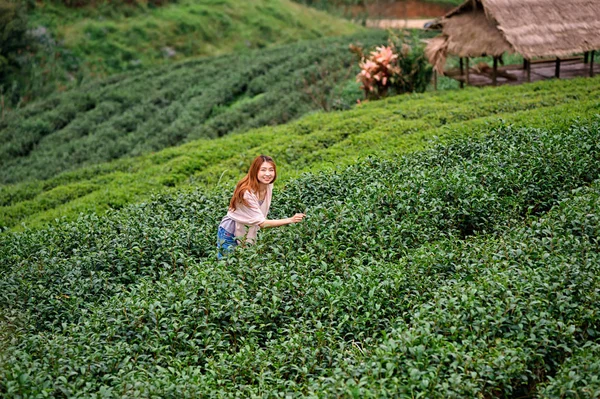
[538, 28]
[437, 52]
[532, 28]
[472, 34]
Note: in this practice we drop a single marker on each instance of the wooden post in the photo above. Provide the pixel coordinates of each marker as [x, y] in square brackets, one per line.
[557, 69]
[592, 63]
[528, 70]
[585, 57]
[468, 79]
[495, 75]
[462, 71]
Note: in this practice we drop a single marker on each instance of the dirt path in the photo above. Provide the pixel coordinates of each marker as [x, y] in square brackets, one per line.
[397, 23]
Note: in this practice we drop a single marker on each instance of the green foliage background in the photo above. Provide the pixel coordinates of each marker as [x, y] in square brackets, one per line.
[324, 140]
[14, 44]
[13, 36]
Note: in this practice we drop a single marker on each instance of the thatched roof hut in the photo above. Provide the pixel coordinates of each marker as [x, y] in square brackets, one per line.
[532, 28]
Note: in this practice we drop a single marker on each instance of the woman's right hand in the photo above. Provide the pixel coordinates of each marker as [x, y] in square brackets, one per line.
[297, 218]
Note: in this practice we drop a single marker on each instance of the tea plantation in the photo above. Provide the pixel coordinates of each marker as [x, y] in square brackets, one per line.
[71, 43]
[323, 140]
[470, 269]
[129, 115]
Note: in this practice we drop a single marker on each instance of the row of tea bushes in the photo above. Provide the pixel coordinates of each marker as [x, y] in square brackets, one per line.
[456, 190]
[519, 316]
[136, 114]
[352, 302]
[387, 128]
[460, 189]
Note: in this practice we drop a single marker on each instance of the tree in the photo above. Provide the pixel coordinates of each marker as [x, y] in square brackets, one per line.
[14, 39]
[15, 44]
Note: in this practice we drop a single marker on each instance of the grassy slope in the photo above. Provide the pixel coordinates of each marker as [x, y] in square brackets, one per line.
[116, 42]
[386, 128]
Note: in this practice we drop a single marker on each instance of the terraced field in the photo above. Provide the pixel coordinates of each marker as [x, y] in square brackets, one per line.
[323, 140]
[131, 115]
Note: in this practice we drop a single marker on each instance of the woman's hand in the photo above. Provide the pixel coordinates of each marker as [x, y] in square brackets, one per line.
[297, 218]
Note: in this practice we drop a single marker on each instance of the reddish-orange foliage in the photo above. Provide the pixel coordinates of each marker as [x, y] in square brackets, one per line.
[378, 70]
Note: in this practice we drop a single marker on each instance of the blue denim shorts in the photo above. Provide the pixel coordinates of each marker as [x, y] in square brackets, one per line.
[226, 243]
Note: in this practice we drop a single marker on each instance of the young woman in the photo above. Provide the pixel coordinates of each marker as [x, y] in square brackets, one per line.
[249, 207]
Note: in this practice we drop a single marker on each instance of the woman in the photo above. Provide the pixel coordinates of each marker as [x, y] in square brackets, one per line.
[249, 207]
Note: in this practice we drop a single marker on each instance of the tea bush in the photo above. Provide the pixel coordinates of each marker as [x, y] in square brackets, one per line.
[577, 376]
[467, 270]
[388, 128]
[514, 308]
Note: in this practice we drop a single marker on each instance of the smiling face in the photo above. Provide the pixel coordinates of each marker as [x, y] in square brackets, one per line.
[266, 173]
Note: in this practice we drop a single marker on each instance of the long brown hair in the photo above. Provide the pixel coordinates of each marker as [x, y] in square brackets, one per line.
[250, 181]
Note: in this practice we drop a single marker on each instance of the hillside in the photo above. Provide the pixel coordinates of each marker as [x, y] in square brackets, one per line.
[134, 114]
[323, 140]
[182, 29]
[90, 40]
[467, 270]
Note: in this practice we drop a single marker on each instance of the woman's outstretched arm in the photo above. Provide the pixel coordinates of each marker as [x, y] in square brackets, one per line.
[282, 222]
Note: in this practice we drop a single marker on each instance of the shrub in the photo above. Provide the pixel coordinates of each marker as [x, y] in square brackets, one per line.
[398, 66]
[577, 377]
